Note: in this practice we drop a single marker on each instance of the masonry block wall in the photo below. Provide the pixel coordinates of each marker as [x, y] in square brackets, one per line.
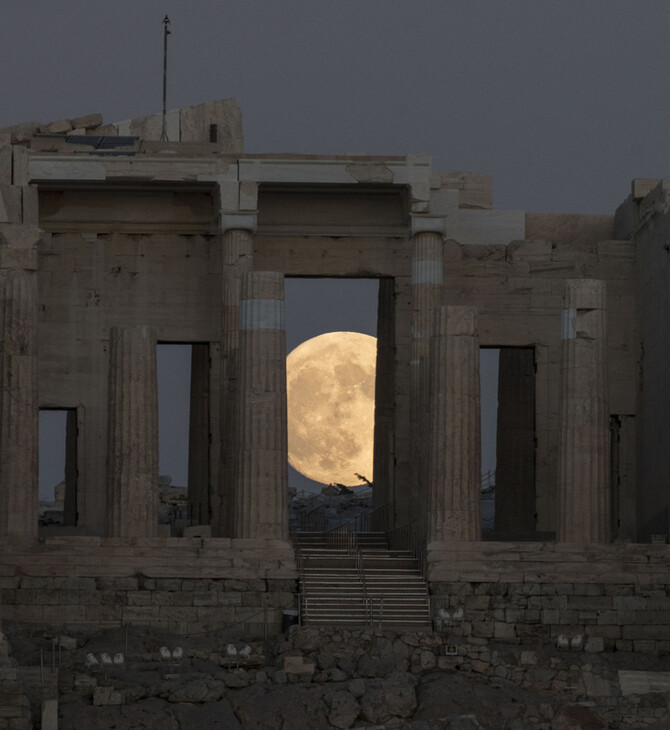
[614, 597]
[180, 585]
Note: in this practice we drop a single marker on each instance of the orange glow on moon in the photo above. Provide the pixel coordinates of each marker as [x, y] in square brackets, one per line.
[330, 383]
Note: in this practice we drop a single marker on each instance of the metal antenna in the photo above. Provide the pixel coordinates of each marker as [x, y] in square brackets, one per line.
[166, 33]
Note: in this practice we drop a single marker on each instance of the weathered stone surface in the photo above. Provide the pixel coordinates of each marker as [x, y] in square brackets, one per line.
[19, 133]
[583, 480]
[88, 121]
[10, 204]
[453, 475]
[59, 127]
[576, 717]
[260, 508]
[343, 709]
[392, 697]
[237, 258]
[427, 280]
[19, 388]
[133, 433]
[381, 666]
[195, 123]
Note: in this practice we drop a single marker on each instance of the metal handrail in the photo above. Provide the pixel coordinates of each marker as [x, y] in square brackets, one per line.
[370, 519]
[341, 537]
[406, 537]
[367, 603]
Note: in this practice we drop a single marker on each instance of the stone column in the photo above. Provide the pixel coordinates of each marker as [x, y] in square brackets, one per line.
[198, 437]
[19, 398]
[383, 490]
[132, 439]
[583, 478]
[426, 296]
[260, 499]
[515, 448]
[453, 507]
[237, 253]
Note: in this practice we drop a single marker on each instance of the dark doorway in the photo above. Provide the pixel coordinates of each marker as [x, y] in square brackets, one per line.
[58, 466]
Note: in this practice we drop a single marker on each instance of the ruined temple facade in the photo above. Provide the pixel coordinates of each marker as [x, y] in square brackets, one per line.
[112, 242]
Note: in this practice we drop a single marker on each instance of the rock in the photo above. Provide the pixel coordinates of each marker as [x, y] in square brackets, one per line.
[528, 658]
[294, 706]
[19, 133]
[427, 660]
[88, 121]
[337, 675]
[326, 660]
[577, 717]
[595, 644]
[238, 678]
[60, 127]
[307, 639]
[297, 667]
[381, 666]
[106, 696]
[596, 686]
[346, 665]
[150, 714]
[465, 722]
[194, 691]
[386, 699]
[200, 690]
[344, 709]
[357, 687]
[479, 666]
[401, 649]
[384, 646]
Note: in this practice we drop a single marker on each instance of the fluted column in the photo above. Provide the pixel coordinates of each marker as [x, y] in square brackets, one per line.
[198, 437]
[19, 398]
[132, 440]
[237, 259]
[453, 510]
[260, 500]
[583, 479]
[515, 462]
[426, 296]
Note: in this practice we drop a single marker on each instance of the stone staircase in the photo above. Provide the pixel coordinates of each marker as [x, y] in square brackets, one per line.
[354, 579]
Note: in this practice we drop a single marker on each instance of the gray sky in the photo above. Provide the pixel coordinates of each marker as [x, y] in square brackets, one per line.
[563, 103]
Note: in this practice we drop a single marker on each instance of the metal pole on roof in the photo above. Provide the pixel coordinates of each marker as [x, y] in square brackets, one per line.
[166, 33]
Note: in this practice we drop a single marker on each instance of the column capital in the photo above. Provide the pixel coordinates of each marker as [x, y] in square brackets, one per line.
[428, 224]
[236, 203]
[18, 246]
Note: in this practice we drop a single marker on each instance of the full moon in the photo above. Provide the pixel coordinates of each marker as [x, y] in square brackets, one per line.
[330, 381]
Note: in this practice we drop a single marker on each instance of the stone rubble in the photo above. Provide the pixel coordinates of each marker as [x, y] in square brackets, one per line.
[332, 677]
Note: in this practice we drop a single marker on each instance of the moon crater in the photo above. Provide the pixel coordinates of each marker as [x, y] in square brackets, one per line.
[330, 383]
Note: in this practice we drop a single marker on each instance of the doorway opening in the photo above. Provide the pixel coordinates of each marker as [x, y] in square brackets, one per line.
[511, 511]
[183, 374]
[336, 394]
[58, 467]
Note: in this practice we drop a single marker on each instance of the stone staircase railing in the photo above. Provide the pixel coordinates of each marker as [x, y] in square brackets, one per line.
[355, 579]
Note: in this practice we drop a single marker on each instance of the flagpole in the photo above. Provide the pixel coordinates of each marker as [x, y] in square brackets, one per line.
[166, 33]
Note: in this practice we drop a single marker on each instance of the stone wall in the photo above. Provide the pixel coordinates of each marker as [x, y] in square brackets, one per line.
[14, 704]
[176, 584]
[218, 122]
[616, 597]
